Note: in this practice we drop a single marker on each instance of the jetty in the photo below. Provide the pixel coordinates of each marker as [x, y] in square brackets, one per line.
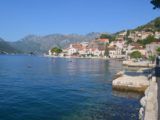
[149, 85]
[131, 83]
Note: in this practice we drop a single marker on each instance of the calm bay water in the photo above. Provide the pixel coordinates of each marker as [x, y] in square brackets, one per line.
[40, 88]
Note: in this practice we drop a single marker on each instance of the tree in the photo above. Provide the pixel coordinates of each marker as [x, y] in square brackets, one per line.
[152, 58]
[56, 50]
[129, 40]
[104, 36]
[158, 51]
[106, 52]
[156, 3]
[107, 36]
[136, 54]
[146, 41]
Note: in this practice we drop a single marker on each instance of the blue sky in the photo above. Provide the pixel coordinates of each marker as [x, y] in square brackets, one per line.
[19, 18]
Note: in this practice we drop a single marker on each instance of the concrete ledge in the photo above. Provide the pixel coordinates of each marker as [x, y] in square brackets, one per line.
[130, 63]
[131, 83]
[149, 109]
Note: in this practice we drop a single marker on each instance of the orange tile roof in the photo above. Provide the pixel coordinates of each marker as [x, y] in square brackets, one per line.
[77, 46]
[103, 40]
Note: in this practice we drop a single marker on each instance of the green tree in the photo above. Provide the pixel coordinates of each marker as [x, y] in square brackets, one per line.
[136, 54]
[156, 3]
[129, 40]
[128, 32]
[158, 51]
[104, 36]
[110, 37]
[146, 41]
[106, 52]
[56, 50]
[152, 58]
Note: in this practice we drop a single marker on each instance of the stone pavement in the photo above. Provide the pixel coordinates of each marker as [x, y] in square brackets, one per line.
[157, 73]
[158, 82]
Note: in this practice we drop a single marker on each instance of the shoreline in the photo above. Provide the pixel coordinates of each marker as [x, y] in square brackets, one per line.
[131, 63]
[146, 85]
[70, 57]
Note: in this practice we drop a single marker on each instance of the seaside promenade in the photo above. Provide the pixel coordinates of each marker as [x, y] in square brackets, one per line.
[158, 82]
[157, 75]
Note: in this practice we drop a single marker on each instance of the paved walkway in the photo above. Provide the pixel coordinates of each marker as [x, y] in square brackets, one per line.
[157, 71]
[158, 81]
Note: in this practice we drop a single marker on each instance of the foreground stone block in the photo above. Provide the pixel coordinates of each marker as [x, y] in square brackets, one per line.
[131, 83]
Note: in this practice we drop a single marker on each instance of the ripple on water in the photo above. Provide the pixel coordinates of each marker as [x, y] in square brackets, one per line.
[55, 89]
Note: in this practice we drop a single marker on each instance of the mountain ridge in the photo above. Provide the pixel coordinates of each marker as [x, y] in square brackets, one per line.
[41, 44]
[6, 48]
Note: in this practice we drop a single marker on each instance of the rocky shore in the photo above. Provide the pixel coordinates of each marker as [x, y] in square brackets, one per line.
[143, 84]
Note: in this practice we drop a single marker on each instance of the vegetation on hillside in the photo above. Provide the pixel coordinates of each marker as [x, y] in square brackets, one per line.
[146, 41]
[157, 24]
[154, 25]
[5, 47]
[158, 51]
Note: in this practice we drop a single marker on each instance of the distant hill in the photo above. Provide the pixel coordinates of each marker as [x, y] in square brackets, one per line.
[41, 44]
[5, 47]
[153, 25]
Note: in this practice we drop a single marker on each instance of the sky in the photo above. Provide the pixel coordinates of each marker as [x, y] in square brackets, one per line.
[19, 18]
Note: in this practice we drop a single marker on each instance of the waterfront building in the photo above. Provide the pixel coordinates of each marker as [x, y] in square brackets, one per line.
[151, 48]
[135, 47]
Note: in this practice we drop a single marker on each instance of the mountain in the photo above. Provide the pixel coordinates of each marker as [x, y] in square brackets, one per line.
[153, 25]
[6, 48]
[41, 44]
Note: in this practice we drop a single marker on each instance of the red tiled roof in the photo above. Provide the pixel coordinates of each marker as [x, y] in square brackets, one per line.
[135, 44]
[77, 46]
[93, 49]
[112, 47]
[137, 47]
[103, 40]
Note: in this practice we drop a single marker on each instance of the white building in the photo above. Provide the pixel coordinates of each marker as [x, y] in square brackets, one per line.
[96, 52]
[49, 53]
[151, 48]
[157, 35]
[135, 47]
[115, 52]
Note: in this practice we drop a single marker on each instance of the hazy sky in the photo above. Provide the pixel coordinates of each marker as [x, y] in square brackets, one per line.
[19, 18]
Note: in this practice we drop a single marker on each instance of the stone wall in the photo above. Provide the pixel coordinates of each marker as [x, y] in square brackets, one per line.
[149, 109]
